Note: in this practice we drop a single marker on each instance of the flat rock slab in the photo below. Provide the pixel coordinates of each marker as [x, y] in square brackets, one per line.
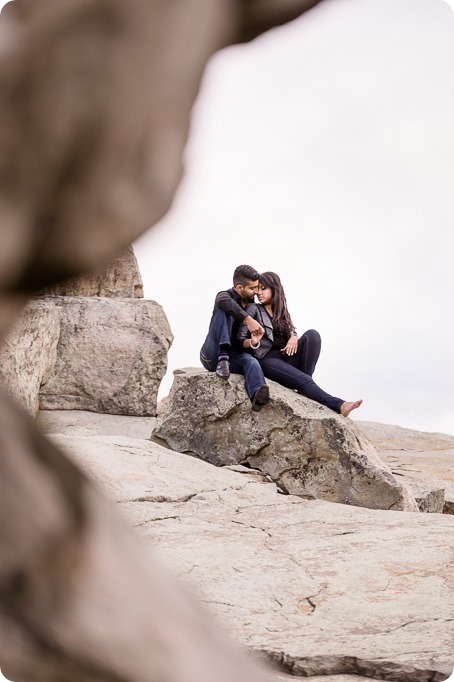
[425, 461]
[83, 423]
[307, 449]
[111, 356]
[319, 588]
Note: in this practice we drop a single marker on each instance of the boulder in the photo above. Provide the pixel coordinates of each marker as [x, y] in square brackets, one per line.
[318, 588]
[307, 449]
[111, 356]
[29, 353]
[430, 500]
[119, 278]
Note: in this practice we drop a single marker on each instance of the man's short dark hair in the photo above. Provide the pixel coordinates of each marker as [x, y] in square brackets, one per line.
[244, 274]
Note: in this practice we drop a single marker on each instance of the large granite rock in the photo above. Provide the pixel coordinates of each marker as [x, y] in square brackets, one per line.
[318, 588]
[119, 278]
[307, 449]
[29, 353]
[424, 461]
[111, 356]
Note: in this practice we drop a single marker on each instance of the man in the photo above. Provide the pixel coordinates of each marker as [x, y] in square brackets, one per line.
[221, 352]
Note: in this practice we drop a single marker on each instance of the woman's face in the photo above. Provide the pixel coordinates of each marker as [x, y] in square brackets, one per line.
[264, 294]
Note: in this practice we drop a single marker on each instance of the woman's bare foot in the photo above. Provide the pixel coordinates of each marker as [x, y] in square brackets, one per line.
[346, 408]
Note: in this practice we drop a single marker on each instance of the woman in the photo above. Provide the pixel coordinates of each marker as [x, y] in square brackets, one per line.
[285, 358]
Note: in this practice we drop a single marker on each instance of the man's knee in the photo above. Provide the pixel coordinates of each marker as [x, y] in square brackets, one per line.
[208, 363]
[220, 327]
[218, 313]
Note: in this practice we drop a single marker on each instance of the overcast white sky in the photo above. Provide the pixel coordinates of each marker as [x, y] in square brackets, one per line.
[324, 150]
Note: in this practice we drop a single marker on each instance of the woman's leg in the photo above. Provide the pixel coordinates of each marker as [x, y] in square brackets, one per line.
[308, 352]
[284, 373]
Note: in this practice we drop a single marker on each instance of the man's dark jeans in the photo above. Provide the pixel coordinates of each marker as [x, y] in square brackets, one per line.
[296, 371]
[241, 362]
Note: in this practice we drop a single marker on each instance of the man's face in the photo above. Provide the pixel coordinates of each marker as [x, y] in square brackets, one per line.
[247, 291]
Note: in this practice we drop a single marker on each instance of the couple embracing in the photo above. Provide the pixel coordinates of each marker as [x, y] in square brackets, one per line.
[259, 340]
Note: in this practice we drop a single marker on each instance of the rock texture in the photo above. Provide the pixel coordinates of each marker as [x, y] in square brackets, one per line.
[424, 461]
[307, 449]
[29, 353]
[111, 356]
[82, 423]
[80, 599]
[327, 678]
[119, 278]
[94, 108]
[318, 588]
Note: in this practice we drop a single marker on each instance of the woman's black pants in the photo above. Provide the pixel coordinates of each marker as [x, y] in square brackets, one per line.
[296, 371]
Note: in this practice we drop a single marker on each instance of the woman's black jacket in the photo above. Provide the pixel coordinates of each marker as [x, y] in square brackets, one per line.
[259, 313]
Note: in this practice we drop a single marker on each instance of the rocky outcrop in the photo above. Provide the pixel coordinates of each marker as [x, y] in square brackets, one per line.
[95, 106]
[422, 460]
[111, 356]
[119, 278]
[29, 353]
[307, 449]
[112, 348]
[318, 588]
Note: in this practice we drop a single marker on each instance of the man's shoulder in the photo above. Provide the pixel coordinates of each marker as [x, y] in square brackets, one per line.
[226, 296]
[230, 292]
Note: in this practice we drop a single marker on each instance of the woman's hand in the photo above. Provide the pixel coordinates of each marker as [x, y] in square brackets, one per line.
[253, 339]
[291, 347]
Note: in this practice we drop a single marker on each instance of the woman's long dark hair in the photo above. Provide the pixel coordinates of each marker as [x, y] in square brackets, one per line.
[281, 315]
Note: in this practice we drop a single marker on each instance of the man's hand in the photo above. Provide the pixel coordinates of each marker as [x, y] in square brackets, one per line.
[291, 347]
[254, 327]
